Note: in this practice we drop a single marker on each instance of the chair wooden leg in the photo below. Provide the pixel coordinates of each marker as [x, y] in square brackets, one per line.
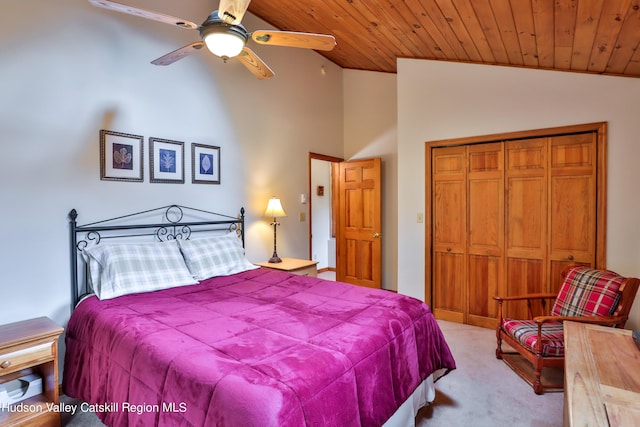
[499, 348]
[537, 387]
[537, 383]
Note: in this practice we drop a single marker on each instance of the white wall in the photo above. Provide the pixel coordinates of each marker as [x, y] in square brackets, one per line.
[69, 69]
[370, 130]
[439, 100]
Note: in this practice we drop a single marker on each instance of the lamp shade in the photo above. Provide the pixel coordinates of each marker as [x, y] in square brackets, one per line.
[274, 208]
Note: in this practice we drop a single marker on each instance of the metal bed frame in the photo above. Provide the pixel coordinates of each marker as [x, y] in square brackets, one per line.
[171, 226]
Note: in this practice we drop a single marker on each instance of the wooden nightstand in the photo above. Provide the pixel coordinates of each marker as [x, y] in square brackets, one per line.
[302, 267]
[31, 347]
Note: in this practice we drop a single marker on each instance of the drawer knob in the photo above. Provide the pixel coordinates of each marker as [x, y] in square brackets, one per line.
[5, 364]
[570, 257]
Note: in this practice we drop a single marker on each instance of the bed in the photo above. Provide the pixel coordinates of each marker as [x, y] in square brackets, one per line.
[247, 346]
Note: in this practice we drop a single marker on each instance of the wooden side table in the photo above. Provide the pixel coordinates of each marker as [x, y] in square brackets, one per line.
[31, 347]
[302, 267]
[602, 376]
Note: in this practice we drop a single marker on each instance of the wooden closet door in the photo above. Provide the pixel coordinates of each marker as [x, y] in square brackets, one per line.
[506, 218]
[485, 202]
[449, 233]
[526, 221]
[572, 203]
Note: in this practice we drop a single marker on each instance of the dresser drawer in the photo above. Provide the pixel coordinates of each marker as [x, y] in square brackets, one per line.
[18, 358]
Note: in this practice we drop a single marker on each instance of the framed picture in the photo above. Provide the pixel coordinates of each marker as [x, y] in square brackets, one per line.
[121, 156]
[205, 164]
[166, 161]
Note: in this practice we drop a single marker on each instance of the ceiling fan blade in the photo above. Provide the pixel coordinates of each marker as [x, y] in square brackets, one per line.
[143, 13]
[232, 11]
[178, 54]
[258, 68]
[293, 39]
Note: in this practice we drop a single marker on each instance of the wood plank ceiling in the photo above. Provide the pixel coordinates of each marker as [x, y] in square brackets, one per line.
[591, 36]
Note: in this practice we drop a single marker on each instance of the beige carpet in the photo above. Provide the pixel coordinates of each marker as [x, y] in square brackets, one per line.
[482, 391]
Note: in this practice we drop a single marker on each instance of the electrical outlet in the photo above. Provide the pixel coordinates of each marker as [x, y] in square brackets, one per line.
[302, 217]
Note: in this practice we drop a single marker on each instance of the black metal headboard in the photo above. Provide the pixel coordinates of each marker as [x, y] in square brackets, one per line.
[163, 223]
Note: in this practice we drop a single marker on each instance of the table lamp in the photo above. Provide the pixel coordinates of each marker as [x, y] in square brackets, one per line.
[274, 210]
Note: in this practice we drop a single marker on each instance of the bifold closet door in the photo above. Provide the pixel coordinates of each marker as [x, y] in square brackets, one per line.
[468, 232]
[526, 221]
[485, 225]
[573, 203]
[449, 231]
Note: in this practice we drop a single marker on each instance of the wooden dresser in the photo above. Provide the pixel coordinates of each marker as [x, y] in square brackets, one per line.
[601, 375]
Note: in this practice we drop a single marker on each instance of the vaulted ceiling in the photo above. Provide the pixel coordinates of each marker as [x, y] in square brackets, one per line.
[591, 36]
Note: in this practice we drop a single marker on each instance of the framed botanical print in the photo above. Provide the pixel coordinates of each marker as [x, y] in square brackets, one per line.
[205, 164]
[121, 156]
[166, 161]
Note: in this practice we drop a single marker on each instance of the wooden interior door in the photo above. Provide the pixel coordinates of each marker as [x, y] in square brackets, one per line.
[359, 237]
[449, 213]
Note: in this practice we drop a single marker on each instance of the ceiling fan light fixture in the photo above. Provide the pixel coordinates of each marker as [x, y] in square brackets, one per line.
[222, 39]
[224, 44]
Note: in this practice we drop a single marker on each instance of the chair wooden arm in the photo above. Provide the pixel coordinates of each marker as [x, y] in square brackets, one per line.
[527, 297]
[524, 297]
[596, 320]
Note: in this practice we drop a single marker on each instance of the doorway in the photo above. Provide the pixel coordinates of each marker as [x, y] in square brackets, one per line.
[322, 210]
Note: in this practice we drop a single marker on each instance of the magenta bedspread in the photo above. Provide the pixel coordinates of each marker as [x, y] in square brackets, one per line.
[259, 348]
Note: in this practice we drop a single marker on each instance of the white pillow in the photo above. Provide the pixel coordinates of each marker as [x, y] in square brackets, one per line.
[121, 269]
[215, 256]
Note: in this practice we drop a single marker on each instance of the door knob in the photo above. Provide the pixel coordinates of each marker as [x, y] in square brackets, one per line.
[376, 235]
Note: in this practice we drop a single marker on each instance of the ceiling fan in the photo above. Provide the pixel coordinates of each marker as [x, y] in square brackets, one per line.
[225, 36]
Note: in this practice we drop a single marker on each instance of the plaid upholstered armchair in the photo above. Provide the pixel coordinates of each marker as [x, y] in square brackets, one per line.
[586, 295]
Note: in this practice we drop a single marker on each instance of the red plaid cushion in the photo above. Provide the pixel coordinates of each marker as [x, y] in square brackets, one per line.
[587, 292]
[526, 332]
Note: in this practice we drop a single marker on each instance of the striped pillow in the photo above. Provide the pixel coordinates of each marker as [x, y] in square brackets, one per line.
[122, 269]
[215, 256]
[587, 292]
